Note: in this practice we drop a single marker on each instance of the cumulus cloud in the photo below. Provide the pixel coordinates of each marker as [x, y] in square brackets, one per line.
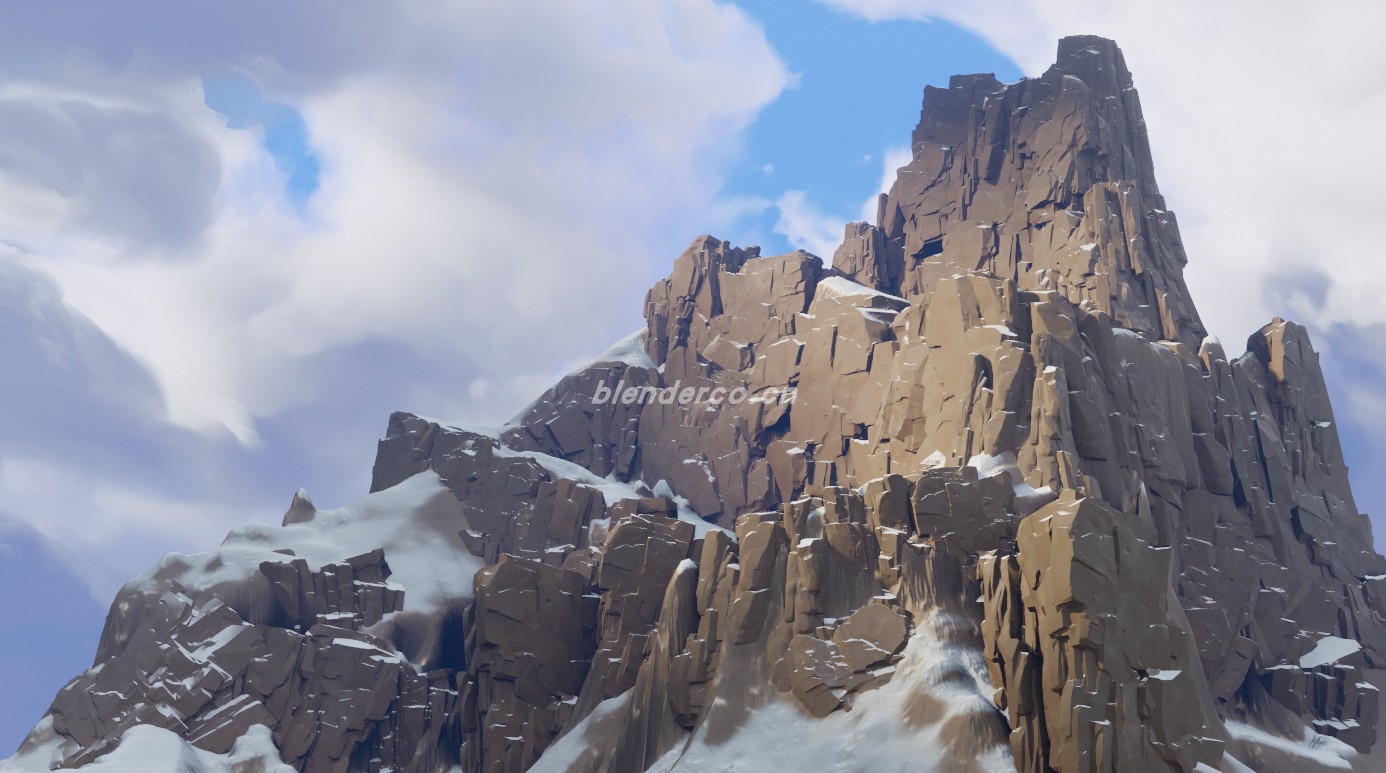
[496, 189]
[139, 175]
[517, 170]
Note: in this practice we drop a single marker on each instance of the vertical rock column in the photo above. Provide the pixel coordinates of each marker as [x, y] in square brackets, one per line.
[1089, 651]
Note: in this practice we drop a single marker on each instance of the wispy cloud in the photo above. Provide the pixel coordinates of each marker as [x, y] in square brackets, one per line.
[807, 228]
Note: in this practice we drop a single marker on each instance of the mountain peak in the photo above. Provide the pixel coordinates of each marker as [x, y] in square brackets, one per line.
[1048, 182]
[982, 496]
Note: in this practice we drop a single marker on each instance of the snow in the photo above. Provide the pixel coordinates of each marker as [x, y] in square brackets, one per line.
[705, 468]
[988, 465]
[209, 648]
[629, 350]
[873, 736]
[1329, 752]
[1231, 764]
[427, 559]
[687, 514]
[1028, 498]
[354, 644]
[145, 748]
[842, 287]
[564, 754]
[1329, 649]
[485, 430]
[613, 490]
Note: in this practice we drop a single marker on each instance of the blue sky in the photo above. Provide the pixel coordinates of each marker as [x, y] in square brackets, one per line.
[857, 98]
[285, 133]
[231, 243]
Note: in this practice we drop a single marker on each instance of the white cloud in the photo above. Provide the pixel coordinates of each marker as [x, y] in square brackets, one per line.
[805, 227]
[498, 188]
[1021, 30]
[891, 161]
[521, 171]
[95, 524]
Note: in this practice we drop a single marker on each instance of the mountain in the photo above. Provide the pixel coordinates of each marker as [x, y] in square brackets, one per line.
[981, 495]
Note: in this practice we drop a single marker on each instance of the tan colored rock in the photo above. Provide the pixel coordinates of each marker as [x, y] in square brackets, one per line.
[1095, 668]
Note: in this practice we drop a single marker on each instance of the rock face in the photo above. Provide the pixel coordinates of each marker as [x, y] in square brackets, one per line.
[337, 696]
[981, 493]
[1048, 182]
[1093, 665]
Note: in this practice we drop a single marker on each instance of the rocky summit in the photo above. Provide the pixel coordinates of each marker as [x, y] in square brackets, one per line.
[980, 494]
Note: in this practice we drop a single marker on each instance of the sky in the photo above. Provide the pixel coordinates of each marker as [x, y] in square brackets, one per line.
[234, 239]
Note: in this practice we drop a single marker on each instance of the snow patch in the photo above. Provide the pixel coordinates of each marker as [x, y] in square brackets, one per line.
[564, 754]
[842, 287]
[629, 350]
[1329, 649]
[688, 514]
[778, 736]
[1028, 498]
[1329, 752]
[145, 748]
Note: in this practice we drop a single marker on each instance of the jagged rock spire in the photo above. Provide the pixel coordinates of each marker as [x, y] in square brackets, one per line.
[1047, 181]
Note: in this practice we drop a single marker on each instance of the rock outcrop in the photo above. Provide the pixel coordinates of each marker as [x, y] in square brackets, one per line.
[982, 492]
[1094, 661]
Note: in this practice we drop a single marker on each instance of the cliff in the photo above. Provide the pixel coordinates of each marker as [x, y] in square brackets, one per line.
[992, 501]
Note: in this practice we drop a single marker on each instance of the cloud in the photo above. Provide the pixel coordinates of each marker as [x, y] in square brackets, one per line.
[1021, 30]
[139, 175]
[807, 227]
[494, 191]
[512, 175]
[891, 161]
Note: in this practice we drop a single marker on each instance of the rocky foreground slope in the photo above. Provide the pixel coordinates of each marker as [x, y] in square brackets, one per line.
[994, 502]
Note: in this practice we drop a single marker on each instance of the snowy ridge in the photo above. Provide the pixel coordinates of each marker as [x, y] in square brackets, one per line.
[407, 521]
[629, 350]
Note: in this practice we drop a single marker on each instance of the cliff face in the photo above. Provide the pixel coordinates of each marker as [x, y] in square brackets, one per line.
[993, 502]
[1048, 182]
